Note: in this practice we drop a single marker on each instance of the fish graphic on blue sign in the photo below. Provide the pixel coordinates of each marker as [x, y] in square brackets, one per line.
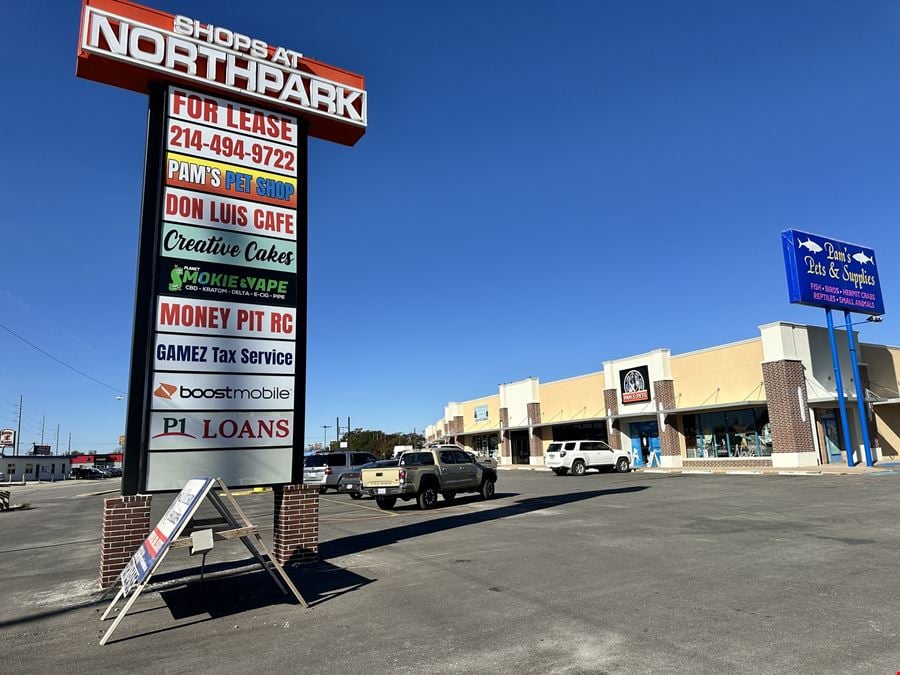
[862, 258]
[810, 245]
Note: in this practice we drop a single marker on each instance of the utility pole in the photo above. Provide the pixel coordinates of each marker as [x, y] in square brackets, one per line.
[19, 425]
[70, 444]
[42, 429]
[56, 447]
[337, 425]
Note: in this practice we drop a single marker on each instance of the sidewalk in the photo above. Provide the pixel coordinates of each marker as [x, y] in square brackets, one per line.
[885, 468]
[822, 470]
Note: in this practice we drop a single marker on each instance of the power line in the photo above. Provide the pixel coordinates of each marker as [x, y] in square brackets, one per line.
[60, 361]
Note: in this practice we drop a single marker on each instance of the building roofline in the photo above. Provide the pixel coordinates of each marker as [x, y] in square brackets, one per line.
[717, 347]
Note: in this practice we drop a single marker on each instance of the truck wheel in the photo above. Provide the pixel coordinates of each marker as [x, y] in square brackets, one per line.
[559, 472]
[487, 489]
[356, 495]
[427, 498]
[622, 465]
[322, 490]
[386, 503]
[449, 496]
[578, 468]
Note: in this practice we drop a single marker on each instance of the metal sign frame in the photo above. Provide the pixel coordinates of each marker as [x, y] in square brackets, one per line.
[240, 528]
[140, 399]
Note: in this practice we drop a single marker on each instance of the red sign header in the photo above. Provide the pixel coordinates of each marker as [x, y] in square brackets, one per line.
[131, 46]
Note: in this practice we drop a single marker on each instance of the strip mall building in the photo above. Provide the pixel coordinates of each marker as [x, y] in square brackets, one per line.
[766, 401]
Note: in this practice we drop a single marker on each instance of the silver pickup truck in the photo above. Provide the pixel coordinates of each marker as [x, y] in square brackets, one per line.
[424, 474]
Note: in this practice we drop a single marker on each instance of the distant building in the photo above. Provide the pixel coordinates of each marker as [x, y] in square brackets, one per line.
[50, 468]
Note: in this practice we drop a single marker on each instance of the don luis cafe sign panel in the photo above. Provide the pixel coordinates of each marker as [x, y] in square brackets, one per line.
[826, 272]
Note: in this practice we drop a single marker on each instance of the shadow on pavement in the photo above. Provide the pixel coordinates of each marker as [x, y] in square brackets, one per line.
[368, 540]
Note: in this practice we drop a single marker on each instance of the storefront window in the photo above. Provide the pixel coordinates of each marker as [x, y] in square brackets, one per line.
[486, 444]
[764, 432]
[732, 433]
[689, 426]
[742, 441]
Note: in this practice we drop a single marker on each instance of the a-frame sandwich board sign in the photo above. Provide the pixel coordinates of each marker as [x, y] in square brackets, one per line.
[137, 573]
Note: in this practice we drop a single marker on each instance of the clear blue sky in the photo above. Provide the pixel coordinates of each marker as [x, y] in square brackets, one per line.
[543, 186]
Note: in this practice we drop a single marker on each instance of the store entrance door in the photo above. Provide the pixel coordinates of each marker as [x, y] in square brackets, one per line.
[520, 450]
[832, 438]
[644, 443]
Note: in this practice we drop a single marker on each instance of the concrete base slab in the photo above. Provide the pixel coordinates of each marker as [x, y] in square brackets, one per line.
[788, 460]
[670, 462]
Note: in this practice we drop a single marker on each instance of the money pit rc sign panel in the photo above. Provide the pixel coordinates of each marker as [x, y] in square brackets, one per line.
[218, 353]
[829, 273]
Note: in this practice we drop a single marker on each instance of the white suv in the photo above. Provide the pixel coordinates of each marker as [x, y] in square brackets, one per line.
[579, 456]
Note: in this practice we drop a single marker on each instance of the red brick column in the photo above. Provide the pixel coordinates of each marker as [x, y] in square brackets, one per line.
[792, 440]
[611, 403]
[296, 538]
[664, 391]
[505, 446]
[126, 523]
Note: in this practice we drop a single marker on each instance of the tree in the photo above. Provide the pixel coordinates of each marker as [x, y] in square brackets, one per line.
[376, 441]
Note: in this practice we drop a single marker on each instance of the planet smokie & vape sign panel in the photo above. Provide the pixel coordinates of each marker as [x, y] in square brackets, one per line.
[218, 367]
[829, 273]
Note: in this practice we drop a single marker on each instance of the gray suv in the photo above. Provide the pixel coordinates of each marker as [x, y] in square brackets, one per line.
[326, 469]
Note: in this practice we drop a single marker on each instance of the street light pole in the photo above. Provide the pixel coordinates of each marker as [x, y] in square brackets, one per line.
[325, 428]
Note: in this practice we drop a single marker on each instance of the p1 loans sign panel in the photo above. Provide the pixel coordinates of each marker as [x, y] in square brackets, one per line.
[228, 278]
[826, 272]
[131, 46]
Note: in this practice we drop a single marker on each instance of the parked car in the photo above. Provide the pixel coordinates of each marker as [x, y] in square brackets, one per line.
[326, 469]
[351, 481]
[424, 474]
[579, 456]
[482, 459]
[113, 471]
[88, 472]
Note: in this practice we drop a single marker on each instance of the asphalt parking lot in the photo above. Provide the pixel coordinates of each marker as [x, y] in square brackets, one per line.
[604, 573]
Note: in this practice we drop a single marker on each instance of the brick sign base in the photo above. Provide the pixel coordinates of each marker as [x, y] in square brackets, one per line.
[126, 523]
[296, 537]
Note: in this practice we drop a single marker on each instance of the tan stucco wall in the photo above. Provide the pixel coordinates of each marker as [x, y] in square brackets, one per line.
[573, 398]
[884, 369]
[734, 370]
[468, 411]
[887, 422]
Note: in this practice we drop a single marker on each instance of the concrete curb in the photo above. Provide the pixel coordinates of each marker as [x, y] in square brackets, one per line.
[772, 472]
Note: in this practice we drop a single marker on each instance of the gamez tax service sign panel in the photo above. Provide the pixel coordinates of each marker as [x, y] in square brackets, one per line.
[830, 273]
[223, 378]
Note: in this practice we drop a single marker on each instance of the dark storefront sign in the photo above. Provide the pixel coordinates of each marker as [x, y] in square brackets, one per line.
[634, 384]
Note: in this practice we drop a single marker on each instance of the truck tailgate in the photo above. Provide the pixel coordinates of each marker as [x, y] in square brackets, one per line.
[386, 477]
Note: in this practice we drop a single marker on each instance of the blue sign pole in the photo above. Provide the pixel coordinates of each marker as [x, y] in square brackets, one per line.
[860, 392]
[839, 383]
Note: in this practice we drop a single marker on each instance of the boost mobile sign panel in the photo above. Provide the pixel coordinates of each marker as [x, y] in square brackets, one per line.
[218, 355]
